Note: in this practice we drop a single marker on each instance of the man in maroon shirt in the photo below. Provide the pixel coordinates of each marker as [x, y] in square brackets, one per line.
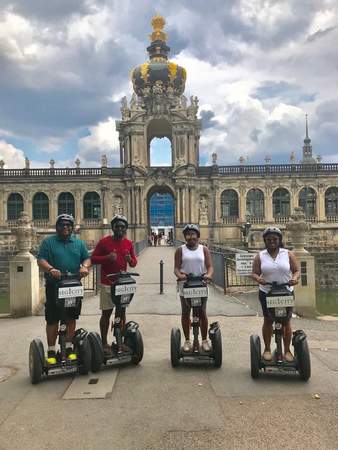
[113, 253]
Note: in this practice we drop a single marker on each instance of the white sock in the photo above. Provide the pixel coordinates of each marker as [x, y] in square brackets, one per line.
[69, 345]
[51, 348]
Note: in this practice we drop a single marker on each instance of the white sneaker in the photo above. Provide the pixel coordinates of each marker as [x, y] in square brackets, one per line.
[206, 346]
[187, 346]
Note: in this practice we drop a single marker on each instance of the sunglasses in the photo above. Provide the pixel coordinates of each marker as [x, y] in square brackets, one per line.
[65, 224]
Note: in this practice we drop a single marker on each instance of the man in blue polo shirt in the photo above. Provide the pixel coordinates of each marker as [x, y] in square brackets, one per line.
[58, 254]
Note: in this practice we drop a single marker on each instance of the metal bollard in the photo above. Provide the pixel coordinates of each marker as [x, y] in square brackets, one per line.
[161, 276]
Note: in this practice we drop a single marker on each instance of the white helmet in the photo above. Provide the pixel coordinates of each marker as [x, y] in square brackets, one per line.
[272, 230]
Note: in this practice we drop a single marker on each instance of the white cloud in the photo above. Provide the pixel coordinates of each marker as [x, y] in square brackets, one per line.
[103, 139]
[13, 157]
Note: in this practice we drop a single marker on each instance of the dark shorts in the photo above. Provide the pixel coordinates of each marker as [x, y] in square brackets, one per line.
[53, 313]
[186, 306]
[266, 311]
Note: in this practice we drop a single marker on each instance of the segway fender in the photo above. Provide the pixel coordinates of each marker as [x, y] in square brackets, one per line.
[131, 328]
[214, 327]
[298, 337]
[79, 337]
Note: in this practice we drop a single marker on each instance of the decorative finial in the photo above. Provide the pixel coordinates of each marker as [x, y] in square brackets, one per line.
[158, 23]
[27, 163]
[267, 159]
[77, 162]
[2, 164]
[214, 159]
[52, 163]
[306, 128]
[241, 160]
[104, 160]
[319, 158]
[292, 157]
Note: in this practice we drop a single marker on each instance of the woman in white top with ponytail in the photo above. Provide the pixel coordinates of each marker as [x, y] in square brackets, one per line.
[275, 263]
[193, 258]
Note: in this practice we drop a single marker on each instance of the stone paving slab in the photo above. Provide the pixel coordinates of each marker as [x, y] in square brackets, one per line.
[94, 385]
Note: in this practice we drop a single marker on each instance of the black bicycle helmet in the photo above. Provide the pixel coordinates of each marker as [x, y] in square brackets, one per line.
[119, 217]
[67, 217]
[272, 230]
[191, 227]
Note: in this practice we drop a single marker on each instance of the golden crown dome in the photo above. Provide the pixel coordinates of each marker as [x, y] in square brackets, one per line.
[158, 75]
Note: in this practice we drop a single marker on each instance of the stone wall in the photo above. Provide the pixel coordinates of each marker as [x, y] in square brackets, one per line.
[7, 250]
[326, 269]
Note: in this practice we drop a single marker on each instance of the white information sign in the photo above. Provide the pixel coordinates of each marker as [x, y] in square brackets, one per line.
[244, 263]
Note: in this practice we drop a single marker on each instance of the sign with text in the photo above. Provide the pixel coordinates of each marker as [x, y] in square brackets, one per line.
[244, 263]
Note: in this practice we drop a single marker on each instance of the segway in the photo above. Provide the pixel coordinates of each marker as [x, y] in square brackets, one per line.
[69, 295]
[194, 291]
[278, 300]
[128, 344]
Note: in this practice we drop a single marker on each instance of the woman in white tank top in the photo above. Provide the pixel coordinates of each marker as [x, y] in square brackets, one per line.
[193, 258]
[275, 263]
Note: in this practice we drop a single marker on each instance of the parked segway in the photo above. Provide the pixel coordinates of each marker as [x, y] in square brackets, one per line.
[69, 294]
[194, 291]
[278, 300]
[128, 344]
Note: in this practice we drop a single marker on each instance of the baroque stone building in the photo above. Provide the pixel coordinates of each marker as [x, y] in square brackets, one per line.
[220, 198]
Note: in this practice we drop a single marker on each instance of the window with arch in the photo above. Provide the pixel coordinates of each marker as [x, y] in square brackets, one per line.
[255, 203]
[307, 200]
[40, 206]
[66, 204]
[281, 203]
[91, 206]
[14, 206]
[160, 152]
[229, 203]
[331, 201]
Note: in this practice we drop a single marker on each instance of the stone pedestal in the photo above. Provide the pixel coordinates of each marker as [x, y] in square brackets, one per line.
[23, 272]
[24, 286]
[305, 291]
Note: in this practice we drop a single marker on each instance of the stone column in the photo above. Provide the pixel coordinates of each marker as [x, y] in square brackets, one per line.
[52, 207]
[305, 291]
[321, 205]
[178, 206]
[268, 213]
[2, 208]
[23, 272]
[242, 205]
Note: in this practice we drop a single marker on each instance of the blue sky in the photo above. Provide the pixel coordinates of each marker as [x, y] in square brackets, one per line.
[257, 66]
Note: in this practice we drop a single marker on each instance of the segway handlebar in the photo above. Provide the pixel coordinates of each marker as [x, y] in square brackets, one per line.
[123, 274]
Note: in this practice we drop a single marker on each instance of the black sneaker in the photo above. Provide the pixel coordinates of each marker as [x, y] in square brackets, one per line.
[51, 357]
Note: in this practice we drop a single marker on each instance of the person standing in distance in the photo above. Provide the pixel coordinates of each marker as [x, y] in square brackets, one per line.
[113, 253]
[192, 257]
[58, 254]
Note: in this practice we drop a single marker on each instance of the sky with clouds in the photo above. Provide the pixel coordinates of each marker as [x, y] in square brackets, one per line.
[257, 66]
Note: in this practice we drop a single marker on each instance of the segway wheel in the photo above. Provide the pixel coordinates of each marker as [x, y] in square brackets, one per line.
[36, 360]
[303, 358]
[136, 346]
[255, 355]
[216, 342]
[85, 357]
[175, 346]
[96, 351]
